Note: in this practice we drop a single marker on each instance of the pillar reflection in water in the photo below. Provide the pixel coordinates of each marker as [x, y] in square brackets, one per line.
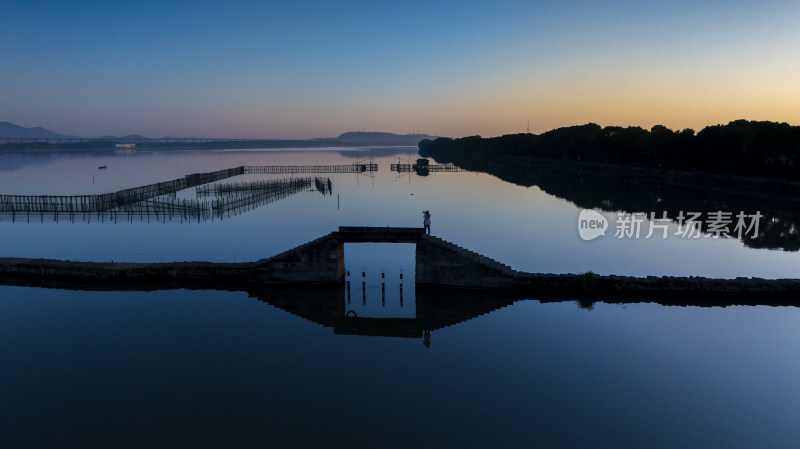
[382, 268]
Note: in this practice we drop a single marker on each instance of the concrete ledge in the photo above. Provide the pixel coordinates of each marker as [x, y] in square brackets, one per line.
[688, 287]
[439, 264]
[319, 261]
[121, 272]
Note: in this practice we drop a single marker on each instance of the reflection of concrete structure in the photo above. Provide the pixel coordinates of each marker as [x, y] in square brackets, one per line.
[435, 310]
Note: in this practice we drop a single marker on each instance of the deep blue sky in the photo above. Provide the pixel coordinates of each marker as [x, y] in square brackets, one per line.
[311, 69]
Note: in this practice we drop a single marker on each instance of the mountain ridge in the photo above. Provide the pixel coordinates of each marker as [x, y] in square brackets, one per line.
[10, 130]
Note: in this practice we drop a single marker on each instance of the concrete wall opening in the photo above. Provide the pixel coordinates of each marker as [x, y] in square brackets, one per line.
[375, 283]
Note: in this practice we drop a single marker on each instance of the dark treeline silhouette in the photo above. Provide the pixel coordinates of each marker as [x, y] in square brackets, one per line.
[745, 148]
[626, 188]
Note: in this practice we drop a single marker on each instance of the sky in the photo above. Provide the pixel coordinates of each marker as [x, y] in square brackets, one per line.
[305, 69]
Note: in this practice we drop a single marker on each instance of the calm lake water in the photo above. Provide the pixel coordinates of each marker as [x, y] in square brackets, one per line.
[289, 368]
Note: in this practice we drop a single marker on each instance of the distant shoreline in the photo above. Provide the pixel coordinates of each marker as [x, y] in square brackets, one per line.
[214, 145]
[13, 137]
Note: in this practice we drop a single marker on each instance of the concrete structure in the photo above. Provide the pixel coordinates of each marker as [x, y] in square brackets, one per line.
[439, 264]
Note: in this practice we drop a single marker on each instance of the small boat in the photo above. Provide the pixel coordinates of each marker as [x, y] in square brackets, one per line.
[103, 167]
[422, 167]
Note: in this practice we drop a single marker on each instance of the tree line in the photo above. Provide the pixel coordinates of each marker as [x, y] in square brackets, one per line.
[742, 147]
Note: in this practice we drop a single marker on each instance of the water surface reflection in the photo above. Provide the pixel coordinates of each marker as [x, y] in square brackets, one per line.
[205, 367]
[531, 229]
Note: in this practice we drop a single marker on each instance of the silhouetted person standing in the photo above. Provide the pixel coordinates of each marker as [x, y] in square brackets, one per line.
[427, 221]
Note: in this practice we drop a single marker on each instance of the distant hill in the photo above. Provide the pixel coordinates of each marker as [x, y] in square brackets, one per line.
[126, 137]
[12, 131]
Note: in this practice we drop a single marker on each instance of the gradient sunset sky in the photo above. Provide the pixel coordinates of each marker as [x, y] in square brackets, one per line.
[305, 69]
